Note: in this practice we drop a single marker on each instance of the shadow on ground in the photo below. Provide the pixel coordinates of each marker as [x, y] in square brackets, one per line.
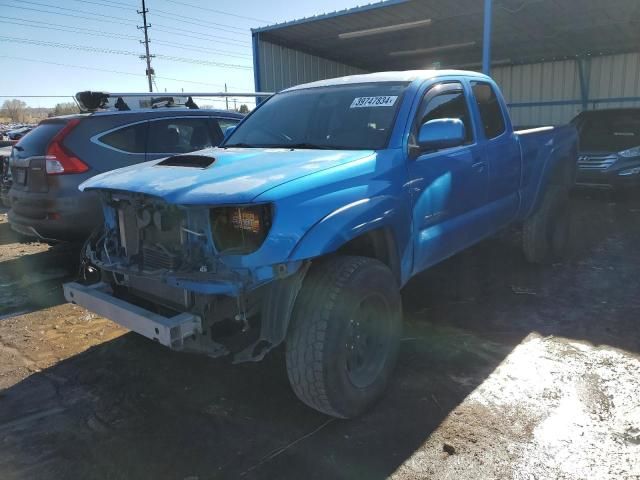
[34, 281]
[128, 408]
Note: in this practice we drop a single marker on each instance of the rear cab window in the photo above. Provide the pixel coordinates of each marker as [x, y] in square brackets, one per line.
[489, 108]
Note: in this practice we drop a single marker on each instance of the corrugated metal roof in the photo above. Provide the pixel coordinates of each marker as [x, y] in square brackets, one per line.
[523, 31]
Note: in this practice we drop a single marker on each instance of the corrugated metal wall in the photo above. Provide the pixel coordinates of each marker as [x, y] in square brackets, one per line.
[556, 85]
[546, 93]
[282, 67]
[540, 82]
[615, 76]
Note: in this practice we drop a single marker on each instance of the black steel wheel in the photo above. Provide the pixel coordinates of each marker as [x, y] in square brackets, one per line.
[344, 335]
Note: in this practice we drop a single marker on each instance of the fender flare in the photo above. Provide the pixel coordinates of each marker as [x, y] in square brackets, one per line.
[344, 224]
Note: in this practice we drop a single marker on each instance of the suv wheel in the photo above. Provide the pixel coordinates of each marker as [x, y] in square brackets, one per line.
[344, 335]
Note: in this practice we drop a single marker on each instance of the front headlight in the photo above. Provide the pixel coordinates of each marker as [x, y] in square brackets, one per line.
[629, 171]
[630, 153]
[240, 230]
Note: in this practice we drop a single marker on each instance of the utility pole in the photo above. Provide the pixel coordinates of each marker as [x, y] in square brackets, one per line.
[147, 56]
[226, 99]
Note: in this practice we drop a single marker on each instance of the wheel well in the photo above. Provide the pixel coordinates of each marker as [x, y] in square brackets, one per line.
[379, 244]
[564, 172]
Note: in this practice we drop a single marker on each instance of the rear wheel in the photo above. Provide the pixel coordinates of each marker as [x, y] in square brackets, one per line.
[546, 233]
[344, 336]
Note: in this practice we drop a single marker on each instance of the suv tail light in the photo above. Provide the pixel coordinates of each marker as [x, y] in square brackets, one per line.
[59, 159]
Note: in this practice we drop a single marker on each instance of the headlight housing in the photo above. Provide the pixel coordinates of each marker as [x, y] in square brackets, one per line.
[630, 152]
[240, 230]
[629, 171]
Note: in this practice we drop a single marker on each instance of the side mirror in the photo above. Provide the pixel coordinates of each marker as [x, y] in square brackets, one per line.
[441, 133]
[228, 132]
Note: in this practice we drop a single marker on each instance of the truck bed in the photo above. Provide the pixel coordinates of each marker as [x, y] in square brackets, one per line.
[542, 147]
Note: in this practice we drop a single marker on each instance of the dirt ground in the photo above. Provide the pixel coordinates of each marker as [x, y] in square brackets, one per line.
[507, 371]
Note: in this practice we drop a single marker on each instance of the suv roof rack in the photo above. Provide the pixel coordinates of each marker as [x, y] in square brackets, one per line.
[90, 101]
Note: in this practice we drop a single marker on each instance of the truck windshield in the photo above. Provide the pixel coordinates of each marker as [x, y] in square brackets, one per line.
[611, 131]
[344, 117]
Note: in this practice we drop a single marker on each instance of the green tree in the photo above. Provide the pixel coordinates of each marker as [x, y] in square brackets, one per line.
[243, 109]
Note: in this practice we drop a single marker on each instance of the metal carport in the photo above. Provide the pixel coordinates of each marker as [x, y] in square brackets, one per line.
[552, 58]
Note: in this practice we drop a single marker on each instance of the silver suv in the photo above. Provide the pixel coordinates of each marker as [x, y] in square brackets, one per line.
[49, 163]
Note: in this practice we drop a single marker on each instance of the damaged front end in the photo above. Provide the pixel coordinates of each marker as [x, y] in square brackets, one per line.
[171, 273]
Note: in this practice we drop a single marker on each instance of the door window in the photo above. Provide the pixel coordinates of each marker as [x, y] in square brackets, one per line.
[130, 139]
[220, 126]
[225, 123]
[179, 135]
[448, 104]
[489, 108]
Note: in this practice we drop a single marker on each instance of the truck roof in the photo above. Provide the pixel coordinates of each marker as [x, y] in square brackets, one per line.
[400, 76]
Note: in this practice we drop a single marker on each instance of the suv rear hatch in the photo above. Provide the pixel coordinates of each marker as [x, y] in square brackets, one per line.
[38, 155]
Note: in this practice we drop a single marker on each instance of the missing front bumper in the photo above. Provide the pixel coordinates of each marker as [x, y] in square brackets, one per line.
[169, 331]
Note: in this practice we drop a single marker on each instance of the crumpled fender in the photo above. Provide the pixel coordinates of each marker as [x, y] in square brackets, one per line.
[351, 220]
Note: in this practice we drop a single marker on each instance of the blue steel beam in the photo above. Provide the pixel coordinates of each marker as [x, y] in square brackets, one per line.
[255, 43]
[554, 103]
[584, 70]
[486, 38]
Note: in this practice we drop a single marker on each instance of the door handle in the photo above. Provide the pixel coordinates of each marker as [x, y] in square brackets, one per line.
[479, 166]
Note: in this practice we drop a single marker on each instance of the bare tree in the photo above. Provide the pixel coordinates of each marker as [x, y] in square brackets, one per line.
[67, 108]
[15, 109]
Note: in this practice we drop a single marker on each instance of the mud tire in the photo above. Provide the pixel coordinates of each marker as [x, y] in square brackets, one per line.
[322, 361]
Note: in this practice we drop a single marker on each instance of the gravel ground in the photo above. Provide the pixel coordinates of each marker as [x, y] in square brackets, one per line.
[507, 371]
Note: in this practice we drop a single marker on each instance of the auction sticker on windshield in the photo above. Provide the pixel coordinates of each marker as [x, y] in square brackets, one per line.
[381, 101]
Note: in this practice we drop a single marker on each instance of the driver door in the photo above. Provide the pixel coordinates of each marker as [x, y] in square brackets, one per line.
[449, 187]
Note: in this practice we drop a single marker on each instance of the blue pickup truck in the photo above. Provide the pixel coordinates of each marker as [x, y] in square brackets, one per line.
[303, 226]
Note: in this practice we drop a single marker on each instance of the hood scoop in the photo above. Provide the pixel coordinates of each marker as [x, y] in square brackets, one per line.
[192, 161]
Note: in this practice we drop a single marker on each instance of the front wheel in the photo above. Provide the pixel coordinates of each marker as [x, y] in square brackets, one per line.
[344, 335]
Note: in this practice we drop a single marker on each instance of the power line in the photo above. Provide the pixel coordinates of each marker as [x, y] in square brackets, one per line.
[84, 67]
[170, 15]
[222, 27]
[102, 15]
[195, 48]
[112, 51]
[120, 4]
[196, 61]
[59, 13]
[67, 46]
[167, 29]
[219, 11]
[196, 35]
[92, 32]
[70, 27]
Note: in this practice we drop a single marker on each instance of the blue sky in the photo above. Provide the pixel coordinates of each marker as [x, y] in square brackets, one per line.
[216, 32]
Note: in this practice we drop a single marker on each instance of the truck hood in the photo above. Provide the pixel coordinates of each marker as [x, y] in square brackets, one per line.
[237, 175]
